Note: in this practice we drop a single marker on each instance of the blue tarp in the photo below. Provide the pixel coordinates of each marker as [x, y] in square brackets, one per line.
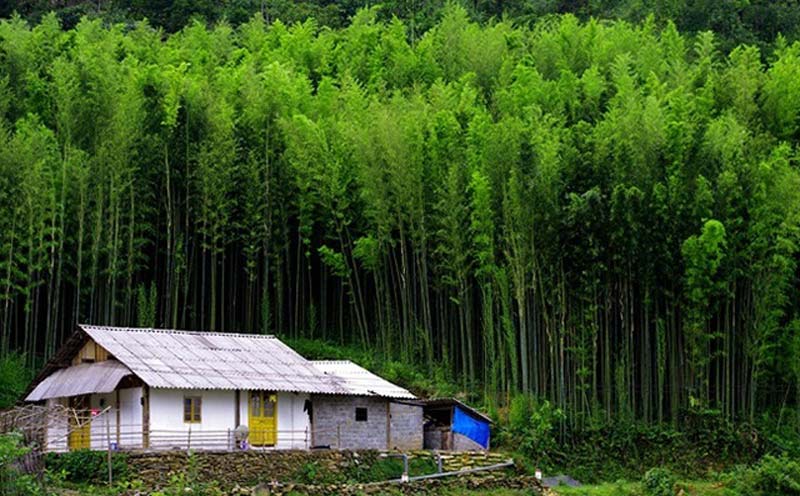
[475, 429]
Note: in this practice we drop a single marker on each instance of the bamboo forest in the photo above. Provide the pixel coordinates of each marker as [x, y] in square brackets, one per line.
[601, 214]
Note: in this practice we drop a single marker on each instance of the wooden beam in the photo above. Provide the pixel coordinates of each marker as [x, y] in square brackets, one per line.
[145, 416]
[119, 416]
[237, 413]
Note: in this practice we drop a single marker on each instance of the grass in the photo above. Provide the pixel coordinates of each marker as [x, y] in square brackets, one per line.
[458, 492]
[623, 488]
[606, 489]
[490, 492]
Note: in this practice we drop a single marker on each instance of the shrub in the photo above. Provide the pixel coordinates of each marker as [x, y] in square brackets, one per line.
[532, 428]
[84, 466]
[14, 377]
[659, 482]
[13, 483]
[771, 476]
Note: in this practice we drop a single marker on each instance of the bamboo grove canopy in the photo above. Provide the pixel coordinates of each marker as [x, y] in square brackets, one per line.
[602, 214]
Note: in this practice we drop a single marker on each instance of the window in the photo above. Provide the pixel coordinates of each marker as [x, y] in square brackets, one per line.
[361, 414]
[191, 409]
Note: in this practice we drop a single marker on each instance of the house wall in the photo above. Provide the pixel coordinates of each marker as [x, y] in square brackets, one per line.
[406, 426]
[294, 427]
[168, 430]
[130, 418]
[335, 423]
[103, 426]
[57, 428]
[130, 435]
[215, 431]
[91, 352]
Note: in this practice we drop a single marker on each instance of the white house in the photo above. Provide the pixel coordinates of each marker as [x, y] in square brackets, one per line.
[133, 388]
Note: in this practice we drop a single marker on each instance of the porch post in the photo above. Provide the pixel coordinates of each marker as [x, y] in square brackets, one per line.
[237, 412]
[145, 416]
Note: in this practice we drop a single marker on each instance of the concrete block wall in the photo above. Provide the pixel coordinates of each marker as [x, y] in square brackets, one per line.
[406, 426]
[334, 422]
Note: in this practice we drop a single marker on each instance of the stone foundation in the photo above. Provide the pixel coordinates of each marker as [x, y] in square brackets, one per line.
[424, 487]
[248, 469]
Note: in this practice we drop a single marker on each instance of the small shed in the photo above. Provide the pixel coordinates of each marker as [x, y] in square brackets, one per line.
[376, 414]
[451, 425]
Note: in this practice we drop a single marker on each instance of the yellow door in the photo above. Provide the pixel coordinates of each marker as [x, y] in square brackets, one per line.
[80, 423]
[262, 418]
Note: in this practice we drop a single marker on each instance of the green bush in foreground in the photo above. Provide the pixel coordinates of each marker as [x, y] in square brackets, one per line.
[659, 482]
[86, 466]
[13, 483]
[771, 476]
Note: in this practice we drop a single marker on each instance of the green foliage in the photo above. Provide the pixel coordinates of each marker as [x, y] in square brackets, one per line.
[434, 384]
[13, 483]
[146, 306]
[617, 488]
[86, 466]
[363, 467]
[755, 21]
[608, 450]
[532, 428]
[602, 216]
[772, 475]
[659, 482]
[14, 379]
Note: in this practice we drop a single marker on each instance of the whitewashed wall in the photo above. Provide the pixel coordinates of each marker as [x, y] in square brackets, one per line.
[130, 418]
[294, 428]
[103, 426]
[168, 430]
[57, 428]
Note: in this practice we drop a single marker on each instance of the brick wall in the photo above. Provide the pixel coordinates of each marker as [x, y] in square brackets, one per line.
[334, 423]
[406, 429]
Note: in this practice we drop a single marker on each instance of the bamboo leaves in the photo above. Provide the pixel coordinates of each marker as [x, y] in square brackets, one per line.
[599, 214]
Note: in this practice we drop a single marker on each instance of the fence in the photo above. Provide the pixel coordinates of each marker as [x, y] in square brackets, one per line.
[102, 436]
[107, 430]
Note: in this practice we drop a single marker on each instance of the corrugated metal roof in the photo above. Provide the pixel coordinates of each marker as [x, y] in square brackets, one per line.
[211, 360]
[451, 402]
[86, 378]
[360, 381]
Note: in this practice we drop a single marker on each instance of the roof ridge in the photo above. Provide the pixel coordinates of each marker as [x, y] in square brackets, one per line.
[176, 331]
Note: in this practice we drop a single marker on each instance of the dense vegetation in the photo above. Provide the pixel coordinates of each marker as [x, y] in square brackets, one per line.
[603, 215]
[733, 21]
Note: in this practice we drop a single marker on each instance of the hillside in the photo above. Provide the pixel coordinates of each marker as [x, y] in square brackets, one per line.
[587, 226]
